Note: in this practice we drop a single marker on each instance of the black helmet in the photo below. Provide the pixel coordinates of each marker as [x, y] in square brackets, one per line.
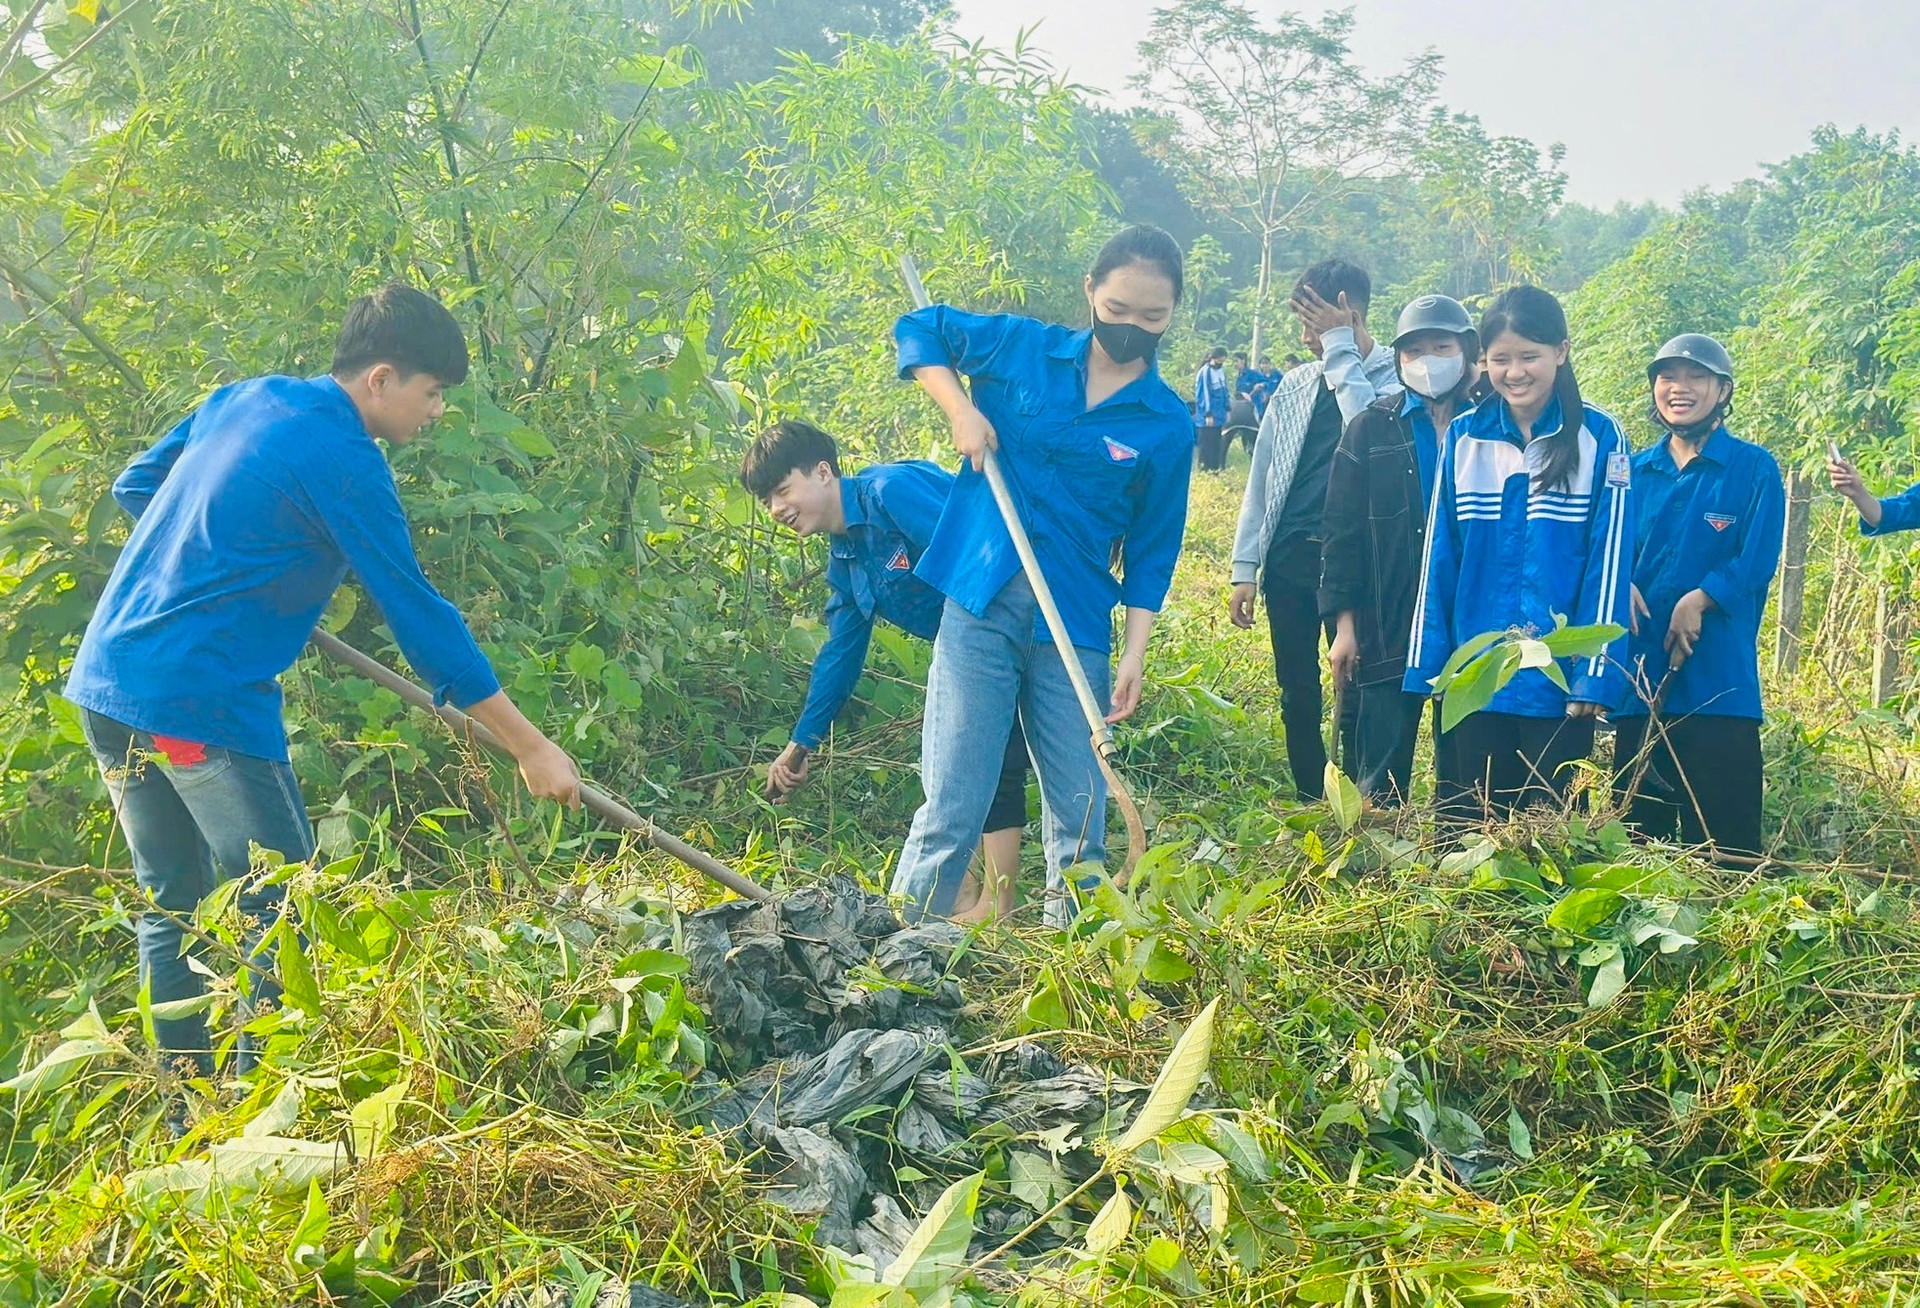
[1694, 348]
[1435, 313]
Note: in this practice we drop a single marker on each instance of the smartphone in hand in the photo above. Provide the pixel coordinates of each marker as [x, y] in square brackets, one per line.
[1833, 452]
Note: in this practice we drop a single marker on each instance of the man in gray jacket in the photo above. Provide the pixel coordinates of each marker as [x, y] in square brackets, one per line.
[1276, 548]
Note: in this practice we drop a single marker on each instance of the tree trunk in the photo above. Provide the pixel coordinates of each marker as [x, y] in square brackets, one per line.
[1260, 295]
[1793, 575]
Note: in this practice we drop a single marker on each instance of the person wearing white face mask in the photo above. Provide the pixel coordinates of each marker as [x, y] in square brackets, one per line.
[1374, 527]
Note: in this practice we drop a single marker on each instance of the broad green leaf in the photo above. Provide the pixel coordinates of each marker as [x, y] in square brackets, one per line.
[55, 1070]
[531, 441]
[859, 1294]
[1578, 642]
[308, 1243]
[296, 974]
[937, 1251]
[88, 1026]
[1476, 686]
[182, 1184]
[1584, 909]
[1465, 655]
[274, 1164]
[1343, 797]
[1173, 1088]
[279, 1116]
[1534, 653]
[372, 1119]
[1033, 1178]
[650, 962]
[173, 1009]
[1111, 1224]
[1608, 981]
[1183, 1160]
[1519, 1139]
[1045, 1009]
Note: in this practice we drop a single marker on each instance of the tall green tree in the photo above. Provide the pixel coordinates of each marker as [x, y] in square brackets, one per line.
[1277, 121]
[745, 41]
[975, 161]
[1491, 200]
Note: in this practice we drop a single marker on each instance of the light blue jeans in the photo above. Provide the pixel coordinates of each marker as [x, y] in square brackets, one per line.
[984, 670]
[190, 828]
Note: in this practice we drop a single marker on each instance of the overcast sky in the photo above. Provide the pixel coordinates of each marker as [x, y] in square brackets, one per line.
[1652, 98]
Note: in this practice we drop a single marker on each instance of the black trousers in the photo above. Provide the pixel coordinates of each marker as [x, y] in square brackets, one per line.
[1212, 445]
[1009, 808]
[1504, 762]
[1703, 780]
[1294, 626]
[1386, 727]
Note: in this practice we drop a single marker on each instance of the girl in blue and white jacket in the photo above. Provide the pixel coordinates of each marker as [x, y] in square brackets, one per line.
[1530, 519]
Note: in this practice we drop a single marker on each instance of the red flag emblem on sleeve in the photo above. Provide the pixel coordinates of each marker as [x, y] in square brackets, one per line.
[899, 562]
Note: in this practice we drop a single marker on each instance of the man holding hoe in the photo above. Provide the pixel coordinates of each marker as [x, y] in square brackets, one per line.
[248, 515]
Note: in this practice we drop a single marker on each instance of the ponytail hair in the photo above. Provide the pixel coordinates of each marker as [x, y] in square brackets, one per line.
[1533, 313]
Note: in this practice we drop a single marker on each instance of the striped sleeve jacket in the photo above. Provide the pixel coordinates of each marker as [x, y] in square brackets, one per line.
[1504, 553]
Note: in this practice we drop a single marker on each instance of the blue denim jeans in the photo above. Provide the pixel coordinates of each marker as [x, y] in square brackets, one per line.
[190, 828]
[984, 670]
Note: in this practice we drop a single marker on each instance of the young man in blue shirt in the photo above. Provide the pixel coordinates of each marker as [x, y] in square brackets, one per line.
[1211, 401]
[1710, 509]
[1251, 384]
[248, 515]
[880, 520]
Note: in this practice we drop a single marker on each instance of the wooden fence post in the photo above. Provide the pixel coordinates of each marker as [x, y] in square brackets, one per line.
[1793, 575]
[1890, 631]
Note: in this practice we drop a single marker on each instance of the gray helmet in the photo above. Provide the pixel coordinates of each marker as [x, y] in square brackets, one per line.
[1694, 348]
[1434, 313]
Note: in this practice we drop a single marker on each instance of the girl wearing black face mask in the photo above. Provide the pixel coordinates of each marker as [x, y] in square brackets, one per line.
[1097, 451]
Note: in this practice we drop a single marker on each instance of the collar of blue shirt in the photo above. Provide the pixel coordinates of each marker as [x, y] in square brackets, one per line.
[1147, 388]
[1494, 422]
[1717, 448]
[852, 507]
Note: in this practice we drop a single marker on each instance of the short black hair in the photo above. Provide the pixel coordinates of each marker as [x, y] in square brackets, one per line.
[404, 327]
[1218, 352]
[1330, 278]
[1142, 243]
[788, 445]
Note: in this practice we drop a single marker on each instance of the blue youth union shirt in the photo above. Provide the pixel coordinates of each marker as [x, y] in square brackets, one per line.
[249, 515]
[1084, 480]
[1714, 525]
[891, 511]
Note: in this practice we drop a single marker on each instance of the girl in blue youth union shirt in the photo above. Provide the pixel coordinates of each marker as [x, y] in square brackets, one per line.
[1711, 509]
[1530, 518]
[1096, 449]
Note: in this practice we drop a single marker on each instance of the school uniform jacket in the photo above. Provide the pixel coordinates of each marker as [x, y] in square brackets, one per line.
[1505, 553]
